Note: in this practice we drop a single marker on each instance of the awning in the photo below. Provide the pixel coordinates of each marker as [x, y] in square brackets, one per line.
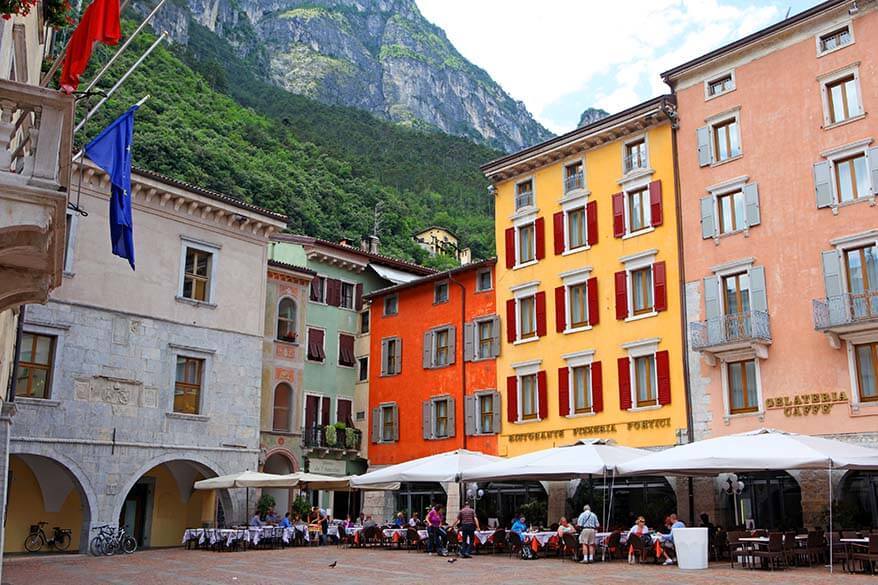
[394, 275]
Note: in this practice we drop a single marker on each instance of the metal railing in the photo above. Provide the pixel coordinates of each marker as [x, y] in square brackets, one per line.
[846, 309]
[524, 199]
[730, 329]
[574, 181]
[635, 160]
[332, 438]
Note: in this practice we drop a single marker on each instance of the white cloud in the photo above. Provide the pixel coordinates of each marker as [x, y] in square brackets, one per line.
[561, 56]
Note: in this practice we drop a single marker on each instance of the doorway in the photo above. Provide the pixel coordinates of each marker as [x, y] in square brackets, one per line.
[136, 514]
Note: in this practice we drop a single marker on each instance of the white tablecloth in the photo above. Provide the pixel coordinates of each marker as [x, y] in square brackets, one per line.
[251, 535]
[484, 535]
[541, 537]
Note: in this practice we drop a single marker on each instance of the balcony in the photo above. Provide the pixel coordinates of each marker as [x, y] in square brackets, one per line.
[574, 182]
[845, 314]
[728, 335]
[635, 161]
[331, 440]
[524, 199]
[35, 168]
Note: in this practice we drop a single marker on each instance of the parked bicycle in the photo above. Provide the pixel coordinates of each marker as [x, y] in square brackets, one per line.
[110, 540]
[37, 539]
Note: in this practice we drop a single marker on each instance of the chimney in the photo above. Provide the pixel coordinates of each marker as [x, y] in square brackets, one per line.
[373, 244]
[344, 242]
[364, 245]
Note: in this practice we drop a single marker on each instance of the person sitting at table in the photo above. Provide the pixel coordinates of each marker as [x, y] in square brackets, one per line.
[667, 541]
[285, 522]
[399, 521]
[638, 531]
[360, 519]
[519, 526]
[348, 521]
[255, 521]
[271, 516]
[565, 527]
[415, 521]
[369, 522]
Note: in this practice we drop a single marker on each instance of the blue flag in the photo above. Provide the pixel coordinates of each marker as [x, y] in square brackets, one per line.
[111, 150]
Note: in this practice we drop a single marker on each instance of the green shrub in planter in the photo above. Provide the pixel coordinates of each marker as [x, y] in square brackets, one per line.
[350, 437]
[331, 439]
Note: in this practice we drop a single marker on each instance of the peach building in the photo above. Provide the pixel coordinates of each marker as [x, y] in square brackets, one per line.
[778, 163]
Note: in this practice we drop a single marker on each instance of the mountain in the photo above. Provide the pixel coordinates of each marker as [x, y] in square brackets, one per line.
[591, 115]
[381, 56]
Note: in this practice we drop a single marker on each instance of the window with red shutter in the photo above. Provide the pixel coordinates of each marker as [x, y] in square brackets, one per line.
[512, 399]
[563, 391]
[510, 321]
[560, 309]
[540, 236]
[541, 314]
[542, 392]
[624, 384]
[597, 387]
[655, 203]
[591, 219]
[510, 247]
[621, 295]
[315, 345]
[558, 232]
[618, 215]
[659, 286]
[663, 377]
[594, 313]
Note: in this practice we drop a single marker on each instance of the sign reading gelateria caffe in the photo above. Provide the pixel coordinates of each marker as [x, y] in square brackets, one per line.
[637, 425]
[806, 404]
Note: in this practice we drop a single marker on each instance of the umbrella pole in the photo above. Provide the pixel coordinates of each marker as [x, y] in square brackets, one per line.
[612, 485]
[605, 499]
[830, 517]
[247, 506]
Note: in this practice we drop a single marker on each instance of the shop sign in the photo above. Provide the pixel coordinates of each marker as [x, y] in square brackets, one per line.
[806, 404]
[326, 466]
[637, 425]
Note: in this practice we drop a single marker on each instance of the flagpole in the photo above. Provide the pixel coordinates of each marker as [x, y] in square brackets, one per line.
[120, 82]
[142, 101]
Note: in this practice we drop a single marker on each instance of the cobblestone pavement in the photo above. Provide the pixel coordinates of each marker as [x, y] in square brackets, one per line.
[298, 566]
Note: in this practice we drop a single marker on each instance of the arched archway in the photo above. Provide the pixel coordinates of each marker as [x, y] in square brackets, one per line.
[857, 508]
[621, 500]
[770, 500]
[279, 461]
[47, 489]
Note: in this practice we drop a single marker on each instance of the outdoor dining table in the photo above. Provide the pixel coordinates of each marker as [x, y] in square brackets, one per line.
[541, 537]
[390, 532]
[864, 540]
[251, 534]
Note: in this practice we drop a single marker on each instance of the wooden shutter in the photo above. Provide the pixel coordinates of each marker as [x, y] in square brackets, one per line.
[663, 377]
[333, 292]
[591, 222]
[510, 321]
[624, 383]
[358, 297]
[510, 247]
[708, 223]
[495, 337]
[558, 232]
[470, 403]
[873, 169]
[314, 292]
[618, 215]
[512, 399]
[383, 357]
[452, 344]
[702, 138]
[452, 417]
[560, 309]
[427, 351]
[427, 419]
[659, 286]
[469, 345]
[751, 204]
[395, 422]
[711, 298]
[540, 237]
[655, 203]
[541, 313]
[597, 387]
[398, 356]
[591, 293]
[758, 298]
[823, 184]
[621, 295]
[833, 285]
[543, 393]
[376, 424]
[495, 403]
[563, 391]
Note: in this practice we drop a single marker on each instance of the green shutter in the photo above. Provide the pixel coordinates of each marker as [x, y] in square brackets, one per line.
[708, 223]
[823, 184]
[702, 136]
[751, 204]
[758, 298]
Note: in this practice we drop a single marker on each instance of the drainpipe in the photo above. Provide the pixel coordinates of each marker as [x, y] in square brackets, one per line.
[16, 354]
[463, 350]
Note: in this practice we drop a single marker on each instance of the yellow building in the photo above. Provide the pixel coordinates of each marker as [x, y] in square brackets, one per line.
[588, 277]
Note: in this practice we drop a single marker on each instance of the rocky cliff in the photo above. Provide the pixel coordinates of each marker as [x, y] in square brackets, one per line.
[591, 115]
[382, 56]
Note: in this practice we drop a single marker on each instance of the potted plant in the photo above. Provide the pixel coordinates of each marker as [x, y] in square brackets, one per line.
[330, 435]
[58, 13]
[350, 437]
[265, 502]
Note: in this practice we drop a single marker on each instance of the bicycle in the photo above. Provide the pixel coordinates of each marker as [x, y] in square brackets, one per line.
[37, 539]
[110, 540]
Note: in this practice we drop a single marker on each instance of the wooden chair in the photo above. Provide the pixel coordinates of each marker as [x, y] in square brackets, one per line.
[515, 544]
[498, 541]
[811, 551]
[569, 546]
[611, 546]
[774, 554]
[737, 549]
[790, 547]
[866, 555]
[642, 550]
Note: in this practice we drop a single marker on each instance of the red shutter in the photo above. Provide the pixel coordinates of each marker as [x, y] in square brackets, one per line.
[591, 291]
[597, 387]
[558, 229]
[542, 389]
[560, 310]
[540, 235]
[358, 302]
[510, 247]
[618, 215]
[541, 314]
[655, 202]
[621, 295]
[659, 286]
[663, 377]
[624, 384]
[591, 222]
[563, 391]
[512, 399]
[510, 320]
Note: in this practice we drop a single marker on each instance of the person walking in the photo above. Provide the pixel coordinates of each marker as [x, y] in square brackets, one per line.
[434, 527]
[588, 523]
[469, 523]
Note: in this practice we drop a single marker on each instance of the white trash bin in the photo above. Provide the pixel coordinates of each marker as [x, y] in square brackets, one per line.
[691, 547]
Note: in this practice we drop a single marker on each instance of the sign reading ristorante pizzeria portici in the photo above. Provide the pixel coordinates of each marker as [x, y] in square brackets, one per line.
[636, 425]
[805, 404]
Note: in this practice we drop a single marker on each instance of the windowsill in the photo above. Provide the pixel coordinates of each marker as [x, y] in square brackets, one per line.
[484, 290]
[525, 265]
[440, 302]
[388, 315]
[577, 329]
[719, 163]
[526, 211]
[347, 367]
[567, 252]
[639, 317]
[316, 302]
[745, 231]
[194, 303]
[727, 417]
[527, 421]
[523, 341]
[476, 360]
[285, 342]
[845, 121]
[645, 408]
[481, 434]
[67, 274]
[319, 362]
[855, 406]
[574, 194]
[189, 417]
[442, 367]
[639, 232]
[720, 94]
[389, 375]
[581, 414]
[361, 381]
[635, 174]
[26, 400]
[833, 50]
[386, 442]
[869, 199]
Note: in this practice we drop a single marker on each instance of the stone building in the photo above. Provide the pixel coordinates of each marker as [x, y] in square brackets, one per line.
[132, 385]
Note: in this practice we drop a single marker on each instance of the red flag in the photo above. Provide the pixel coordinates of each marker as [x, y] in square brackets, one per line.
[99, 24]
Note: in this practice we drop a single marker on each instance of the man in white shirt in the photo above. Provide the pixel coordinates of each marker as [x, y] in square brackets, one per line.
[588, 523]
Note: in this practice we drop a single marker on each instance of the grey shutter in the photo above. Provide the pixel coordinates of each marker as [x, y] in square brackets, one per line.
[428, 350]
[712, 310]
[470, 403]
[495, 420]
[452, 344]
[834, 288]
[395, 422]
[376, 424]
[708, 223]
[751, 204]
[383, 357]
[495, 337]
[758, 298]
[702, 136]
[823, 184]
[873, 167]
[398, 356]
[452, 417]
[427, 419]
[469, 343]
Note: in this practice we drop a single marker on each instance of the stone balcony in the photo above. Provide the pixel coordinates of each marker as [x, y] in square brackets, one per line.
[847, 315]
[729, 335]
[35, 169]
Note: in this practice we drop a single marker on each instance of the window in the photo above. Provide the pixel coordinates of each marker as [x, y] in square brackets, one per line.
[576, 236]
[364, 321]
[580, 377]
[69, 239]
[867, 371]
[283, 400]
[391, 356]
[642, 290]
[286, 320]
[440, 293]
[526, 243]
[347, 295]
[316, 353]
[343, 409]
[362, 369]
[486, 339]
[843, 99]
[483, 281]
[527, 385]
[196, 276]
[720, 85]
[440, 347]
[187, 386]
[527, 317]
[486, 413]
[574, 178]
[638, 209]
[346, 350]
[391, 305]
[388, 423]
[318, 289]
[726, 140]
[317, 411]
[576, 300]
[743, 396]
[644, 380]
[736, 293]
[834, 40]
[851, 178]
[731, 212]
[34, 372]
[440, 418]
[524, 194]
[635, 155]
[861, 274]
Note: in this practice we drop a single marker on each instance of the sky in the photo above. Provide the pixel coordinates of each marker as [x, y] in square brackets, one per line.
[560, 57]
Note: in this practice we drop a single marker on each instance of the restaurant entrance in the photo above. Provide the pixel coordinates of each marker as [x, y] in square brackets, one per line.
[649, 496]
[418, 497]
[858, 506]
[771, 500]
[504, 500]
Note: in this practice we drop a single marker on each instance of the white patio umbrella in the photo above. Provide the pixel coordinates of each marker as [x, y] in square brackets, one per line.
[444, 467]
[246, 479]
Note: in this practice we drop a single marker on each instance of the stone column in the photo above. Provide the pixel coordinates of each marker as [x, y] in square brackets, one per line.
[453, 503]
[557, 505]
[379, 504]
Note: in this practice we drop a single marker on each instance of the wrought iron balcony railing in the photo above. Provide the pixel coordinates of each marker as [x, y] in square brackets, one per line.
[574, 181]
[347, 438]
[729, 330]
[524, 199]
[635, 160]
[849, 309]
